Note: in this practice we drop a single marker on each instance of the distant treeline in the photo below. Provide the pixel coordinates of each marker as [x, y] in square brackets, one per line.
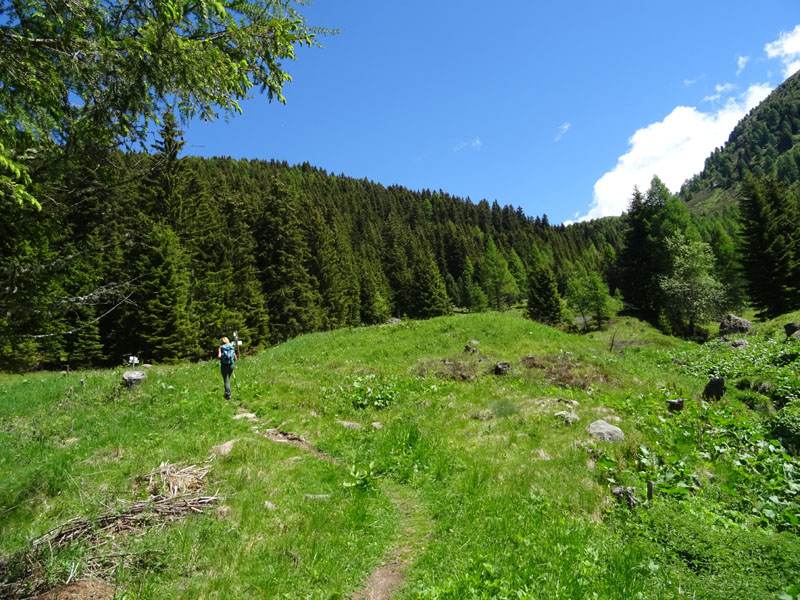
[159, 256]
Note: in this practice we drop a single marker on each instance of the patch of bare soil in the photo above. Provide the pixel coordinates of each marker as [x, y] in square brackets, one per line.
[79, 590]
[292, 439]
[383, 582]
[564, 370]
[446, 368]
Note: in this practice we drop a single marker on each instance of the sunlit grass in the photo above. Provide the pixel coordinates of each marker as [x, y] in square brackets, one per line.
[491, 495]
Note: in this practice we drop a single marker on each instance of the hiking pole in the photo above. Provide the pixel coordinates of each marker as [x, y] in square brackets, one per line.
[236, 349]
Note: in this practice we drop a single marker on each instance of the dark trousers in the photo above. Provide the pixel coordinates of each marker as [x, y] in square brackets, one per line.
[227, 371]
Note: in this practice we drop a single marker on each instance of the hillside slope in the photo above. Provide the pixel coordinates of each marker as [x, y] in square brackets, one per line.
[766, 141]
[391, 446]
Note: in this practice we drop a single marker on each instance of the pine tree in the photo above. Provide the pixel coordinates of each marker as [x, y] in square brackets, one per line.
[772, 245]
[501, 287]
[544, 302]
[166, 329]
[292, 295]
[374, 305]
[428, 295]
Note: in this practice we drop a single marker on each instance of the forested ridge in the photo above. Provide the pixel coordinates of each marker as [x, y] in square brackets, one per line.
[110, 252]
[764, 143]
[160, 255]
[157, 255]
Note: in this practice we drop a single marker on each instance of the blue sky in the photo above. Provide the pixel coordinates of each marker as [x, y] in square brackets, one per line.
[560, 108]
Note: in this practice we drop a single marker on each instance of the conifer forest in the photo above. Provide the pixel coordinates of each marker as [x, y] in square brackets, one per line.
[110, 248]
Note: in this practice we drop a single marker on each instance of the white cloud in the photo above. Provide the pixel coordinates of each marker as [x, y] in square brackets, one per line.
[474, 143]
[562, 129]
[741, 63]
[674, 149]
[787, 49]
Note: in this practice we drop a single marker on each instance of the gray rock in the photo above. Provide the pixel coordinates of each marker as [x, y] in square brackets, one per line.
[245, 415]
[472, 346]
[316, 496]
[739, 343]
[502, 368]
[605, 431]
[225, 448]
[572, 403]
[131, 378]
[394, 321]
[675, 405]
[791, 329]
[763, 388]
[733, 324]
[269, 505]
[625, 494]
[350, 425]
[715, 389]
[567, 416]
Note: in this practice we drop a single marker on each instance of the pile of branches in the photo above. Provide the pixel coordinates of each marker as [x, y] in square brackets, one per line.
[22, 574]
[171, 480]
[156, 510]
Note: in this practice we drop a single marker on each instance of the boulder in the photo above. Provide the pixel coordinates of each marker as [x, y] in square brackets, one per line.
[472, 347]
[224, 449]
[567, 416]
[625, 494]
[675, 405]
[739, 344]
[791, 329]
[605, 431]
[131, 378]
[715, 389]
[733, 324]
[502, 368]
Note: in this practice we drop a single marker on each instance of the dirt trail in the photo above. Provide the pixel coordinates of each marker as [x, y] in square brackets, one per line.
[415, 524]
[416, 527]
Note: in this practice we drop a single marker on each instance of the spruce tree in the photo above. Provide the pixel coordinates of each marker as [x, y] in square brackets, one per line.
[292, 295]
[772, 244]
[501, 287]
[428, 293]
[166, 328]
[544, 302]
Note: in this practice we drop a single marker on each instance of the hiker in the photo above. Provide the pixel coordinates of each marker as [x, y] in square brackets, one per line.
[227, 357]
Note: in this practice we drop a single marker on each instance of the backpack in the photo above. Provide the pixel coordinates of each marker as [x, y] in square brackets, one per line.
[227, 354]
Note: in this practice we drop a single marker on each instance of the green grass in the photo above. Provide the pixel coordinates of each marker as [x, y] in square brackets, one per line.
[464, 474]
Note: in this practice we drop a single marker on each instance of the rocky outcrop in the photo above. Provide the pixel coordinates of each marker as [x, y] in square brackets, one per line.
[715, 389]
[733, 324]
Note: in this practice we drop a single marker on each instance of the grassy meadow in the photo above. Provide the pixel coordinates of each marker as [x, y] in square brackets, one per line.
[464, 477]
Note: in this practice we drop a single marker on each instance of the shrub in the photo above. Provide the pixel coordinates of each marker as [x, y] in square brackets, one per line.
[785, 425]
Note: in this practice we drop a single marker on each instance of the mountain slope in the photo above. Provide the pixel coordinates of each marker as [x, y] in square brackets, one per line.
[766, 141]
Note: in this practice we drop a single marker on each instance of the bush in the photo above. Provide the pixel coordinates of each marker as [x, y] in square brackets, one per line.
[785, 425]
